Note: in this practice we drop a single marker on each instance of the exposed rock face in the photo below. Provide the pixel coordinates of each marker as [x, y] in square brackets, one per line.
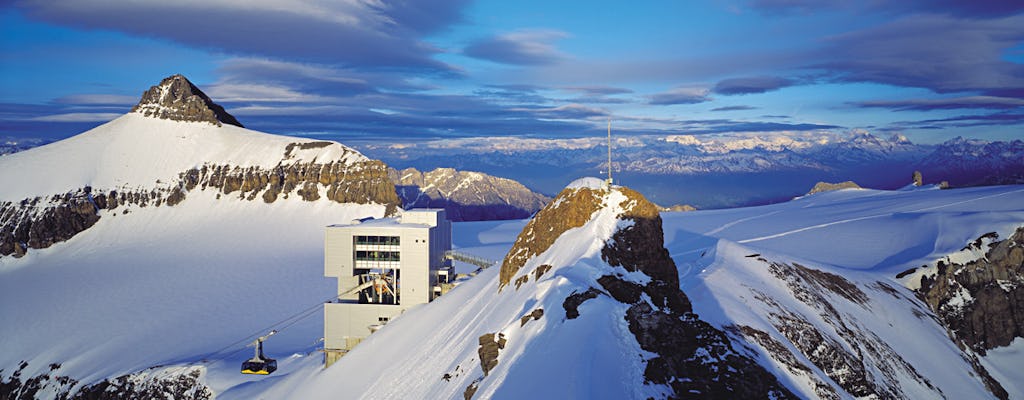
[981, 302]
[177, 99]
[918, 178]
[546, 226]
[173, 383]
[692, 357]
[466, 196]
[490, 345]
[39, 223]
[827, 187]
[688, 355]
[871, 368]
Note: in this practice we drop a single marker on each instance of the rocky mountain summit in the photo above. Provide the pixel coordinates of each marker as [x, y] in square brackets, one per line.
[177, 99]
[466, 195]
[685, 354]
[158, 155]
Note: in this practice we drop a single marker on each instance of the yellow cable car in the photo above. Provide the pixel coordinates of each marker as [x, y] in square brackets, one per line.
[259, 364]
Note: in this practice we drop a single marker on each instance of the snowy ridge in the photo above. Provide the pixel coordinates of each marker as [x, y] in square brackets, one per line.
[139, 152]
[475, 309]
[848, 333]
[550, 333]
[169, 286]
[811, 295]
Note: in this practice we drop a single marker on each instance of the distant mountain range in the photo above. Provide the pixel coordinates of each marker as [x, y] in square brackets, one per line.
[722, 170]
[466, 195]
[139, 258]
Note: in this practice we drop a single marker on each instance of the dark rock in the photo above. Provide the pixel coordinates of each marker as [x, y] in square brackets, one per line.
[489, 349]
[981, 302]
[471, 390]
[534, 315]
[905, 273]
[573, 302]
[180, 386]
[521, 280]
[177, 99]
[623, 291]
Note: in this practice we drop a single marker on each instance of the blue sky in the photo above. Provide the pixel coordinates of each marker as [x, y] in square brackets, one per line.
[412, 70]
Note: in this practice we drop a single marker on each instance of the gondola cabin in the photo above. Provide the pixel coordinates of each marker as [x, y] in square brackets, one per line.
[260, 364]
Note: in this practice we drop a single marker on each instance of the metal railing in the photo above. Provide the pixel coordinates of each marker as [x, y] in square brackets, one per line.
[469, 259]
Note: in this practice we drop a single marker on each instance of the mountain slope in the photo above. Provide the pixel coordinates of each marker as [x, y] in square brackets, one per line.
[154, 241]
[137, 160]
[820, 285]
[577, 310]
[807, 289]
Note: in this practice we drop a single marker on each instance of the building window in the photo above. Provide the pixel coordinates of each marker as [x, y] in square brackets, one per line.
[379, 240]
[382, 319]
[370, 255]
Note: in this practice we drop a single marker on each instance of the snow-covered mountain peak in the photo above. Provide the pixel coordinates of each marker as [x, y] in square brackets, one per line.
[579, 204]
[177, 99]
[899, 139]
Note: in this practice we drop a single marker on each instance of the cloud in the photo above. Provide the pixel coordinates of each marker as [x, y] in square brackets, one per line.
[568, 111]
[966, 121]
[77, 117]
[727, 125]
[96, 99]
[734, 108]
[783, 7]
[979, 102]
[680, 95]
[936, 52]
[524, 47]
[240, 92]
[598, 90]
[310, 77]
[966, 8]
[752, 84]
[363, 34]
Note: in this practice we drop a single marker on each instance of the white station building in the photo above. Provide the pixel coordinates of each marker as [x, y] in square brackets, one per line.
[384, 267]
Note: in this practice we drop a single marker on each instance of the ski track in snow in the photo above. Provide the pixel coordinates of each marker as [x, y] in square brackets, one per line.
[827, 224]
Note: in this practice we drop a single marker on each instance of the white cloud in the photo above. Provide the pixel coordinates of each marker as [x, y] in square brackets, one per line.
[77, 117]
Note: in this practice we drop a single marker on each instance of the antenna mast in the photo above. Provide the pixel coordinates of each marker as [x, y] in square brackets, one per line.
[609, 181]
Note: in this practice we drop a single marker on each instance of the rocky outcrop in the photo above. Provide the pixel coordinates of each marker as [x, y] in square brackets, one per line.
[167, 383]
[917, 179]
[571, 209]
[465, 195]
[490, 345]
[692, 357]
[828, 187]
[39, 223]
[362, 182]
[824, 332]
[684, 353]
[175, 98]
[981, 302]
